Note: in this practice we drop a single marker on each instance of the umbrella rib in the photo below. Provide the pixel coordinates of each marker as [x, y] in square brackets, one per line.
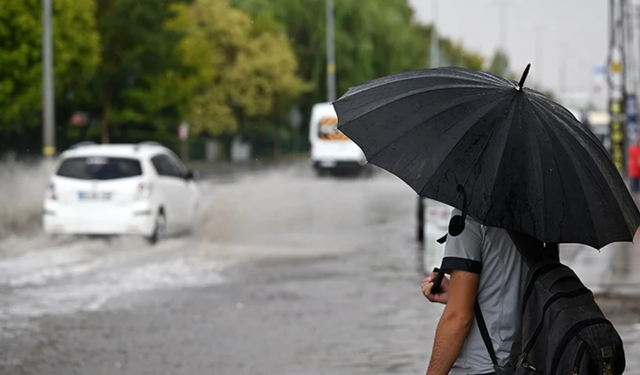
[484, 147]
[594, 140]
[421, 123]
[541, 194]
[544, 184]
[385, 81]
[570, 118]
[545, 114]
[618, 201]
[460, 140]
[411, 93]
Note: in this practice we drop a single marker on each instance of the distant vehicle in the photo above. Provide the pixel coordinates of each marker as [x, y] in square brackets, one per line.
[598, 122]
[578, 114]
[331, 150]
[125, 189]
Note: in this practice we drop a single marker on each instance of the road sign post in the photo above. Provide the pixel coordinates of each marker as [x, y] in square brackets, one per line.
[632, 117]
[295, 120]
[48, 110]
[183, 135]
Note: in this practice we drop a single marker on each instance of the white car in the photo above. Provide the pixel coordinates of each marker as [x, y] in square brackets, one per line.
[121, 189]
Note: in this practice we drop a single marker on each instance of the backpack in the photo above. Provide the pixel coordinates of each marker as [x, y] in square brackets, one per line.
[563, 329]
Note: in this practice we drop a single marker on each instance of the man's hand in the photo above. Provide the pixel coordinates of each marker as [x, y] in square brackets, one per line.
[427, 284]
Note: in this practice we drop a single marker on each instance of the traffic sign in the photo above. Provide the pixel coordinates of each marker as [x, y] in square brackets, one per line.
[183, 131]
[616, 67]
[295, 117]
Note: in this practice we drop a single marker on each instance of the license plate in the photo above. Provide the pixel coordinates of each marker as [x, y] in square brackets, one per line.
[328, 164]
[93, 196]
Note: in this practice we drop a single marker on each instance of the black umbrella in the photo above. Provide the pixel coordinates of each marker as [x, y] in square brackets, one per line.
[505, 154]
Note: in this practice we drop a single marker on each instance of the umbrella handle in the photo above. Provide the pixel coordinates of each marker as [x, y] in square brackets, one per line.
[435, 289]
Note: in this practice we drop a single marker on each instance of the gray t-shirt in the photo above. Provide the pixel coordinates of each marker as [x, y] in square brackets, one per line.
[491, 253]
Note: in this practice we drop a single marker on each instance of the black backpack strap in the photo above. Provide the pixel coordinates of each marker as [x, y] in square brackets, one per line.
[532, 251]
[484, 332]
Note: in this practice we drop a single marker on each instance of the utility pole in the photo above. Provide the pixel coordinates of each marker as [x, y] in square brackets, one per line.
[503, 26]
[435, 43]
[539, 58]
[48, 114]
[562, 69]
[617, 97]
[503, 4]
[331, 54]
[616, 84]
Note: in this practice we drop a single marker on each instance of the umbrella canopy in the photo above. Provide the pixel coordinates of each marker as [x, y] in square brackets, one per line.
[505, 154]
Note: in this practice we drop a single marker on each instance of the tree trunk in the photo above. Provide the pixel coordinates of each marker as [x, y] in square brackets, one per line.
[106, 111]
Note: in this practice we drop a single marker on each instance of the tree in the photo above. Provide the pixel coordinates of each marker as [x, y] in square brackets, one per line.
[552, 96]
[451, 53]
[500, 64]
[373, 39]
[248, 70]
[75, 50]
[137, 49]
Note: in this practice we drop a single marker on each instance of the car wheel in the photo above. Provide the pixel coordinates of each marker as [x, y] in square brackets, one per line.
[159, 229]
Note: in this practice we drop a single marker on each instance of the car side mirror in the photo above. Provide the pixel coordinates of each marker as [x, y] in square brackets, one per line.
[189, 175]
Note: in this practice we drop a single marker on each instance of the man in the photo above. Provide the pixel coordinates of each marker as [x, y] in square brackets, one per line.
[634, 166]
[485, 264]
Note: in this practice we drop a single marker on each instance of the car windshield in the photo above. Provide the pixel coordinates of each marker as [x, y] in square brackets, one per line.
[99, 168]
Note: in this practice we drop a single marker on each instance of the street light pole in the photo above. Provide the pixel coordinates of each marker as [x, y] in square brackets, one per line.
[48, 114]
[331, 56]
[539, 56]
[562, 71]
[435, 48]
[503, 27]
[503, 24]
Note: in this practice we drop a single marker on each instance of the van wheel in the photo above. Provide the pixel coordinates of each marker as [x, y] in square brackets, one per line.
[322, 172]
[367, 171]
[159, 229]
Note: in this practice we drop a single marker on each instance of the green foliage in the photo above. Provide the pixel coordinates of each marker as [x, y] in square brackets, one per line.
[225, 66]
[372, 39]
[137, 50]
[451, 53]
[75, 48]
[247, 71]
[500, 64]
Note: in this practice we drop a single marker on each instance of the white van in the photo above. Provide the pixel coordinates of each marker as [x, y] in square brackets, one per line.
[330, 149]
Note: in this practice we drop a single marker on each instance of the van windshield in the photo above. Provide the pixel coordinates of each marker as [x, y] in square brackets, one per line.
[99, 168]
[328, 129]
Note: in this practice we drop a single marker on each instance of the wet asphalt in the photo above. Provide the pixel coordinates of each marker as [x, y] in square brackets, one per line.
[286, 274]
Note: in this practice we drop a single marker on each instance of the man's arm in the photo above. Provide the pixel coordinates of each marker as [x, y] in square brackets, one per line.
[455, 323]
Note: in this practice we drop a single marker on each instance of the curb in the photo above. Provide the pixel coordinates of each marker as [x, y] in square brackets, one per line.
[618, 304]
[225, 169]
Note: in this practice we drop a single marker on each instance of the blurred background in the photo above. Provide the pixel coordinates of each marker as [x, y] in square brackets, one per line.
[298, 257]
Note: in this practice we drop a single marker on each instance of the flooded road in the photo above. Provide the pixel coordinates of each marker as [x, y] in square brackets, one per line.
[286, 274]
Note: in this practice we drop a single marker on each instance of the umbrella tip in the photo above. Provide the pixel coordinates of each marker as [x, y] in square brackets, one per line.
[523, 78]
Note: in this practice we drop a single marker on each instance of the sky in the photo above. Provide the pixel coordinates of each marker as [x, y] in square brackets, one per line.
[560, 38]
